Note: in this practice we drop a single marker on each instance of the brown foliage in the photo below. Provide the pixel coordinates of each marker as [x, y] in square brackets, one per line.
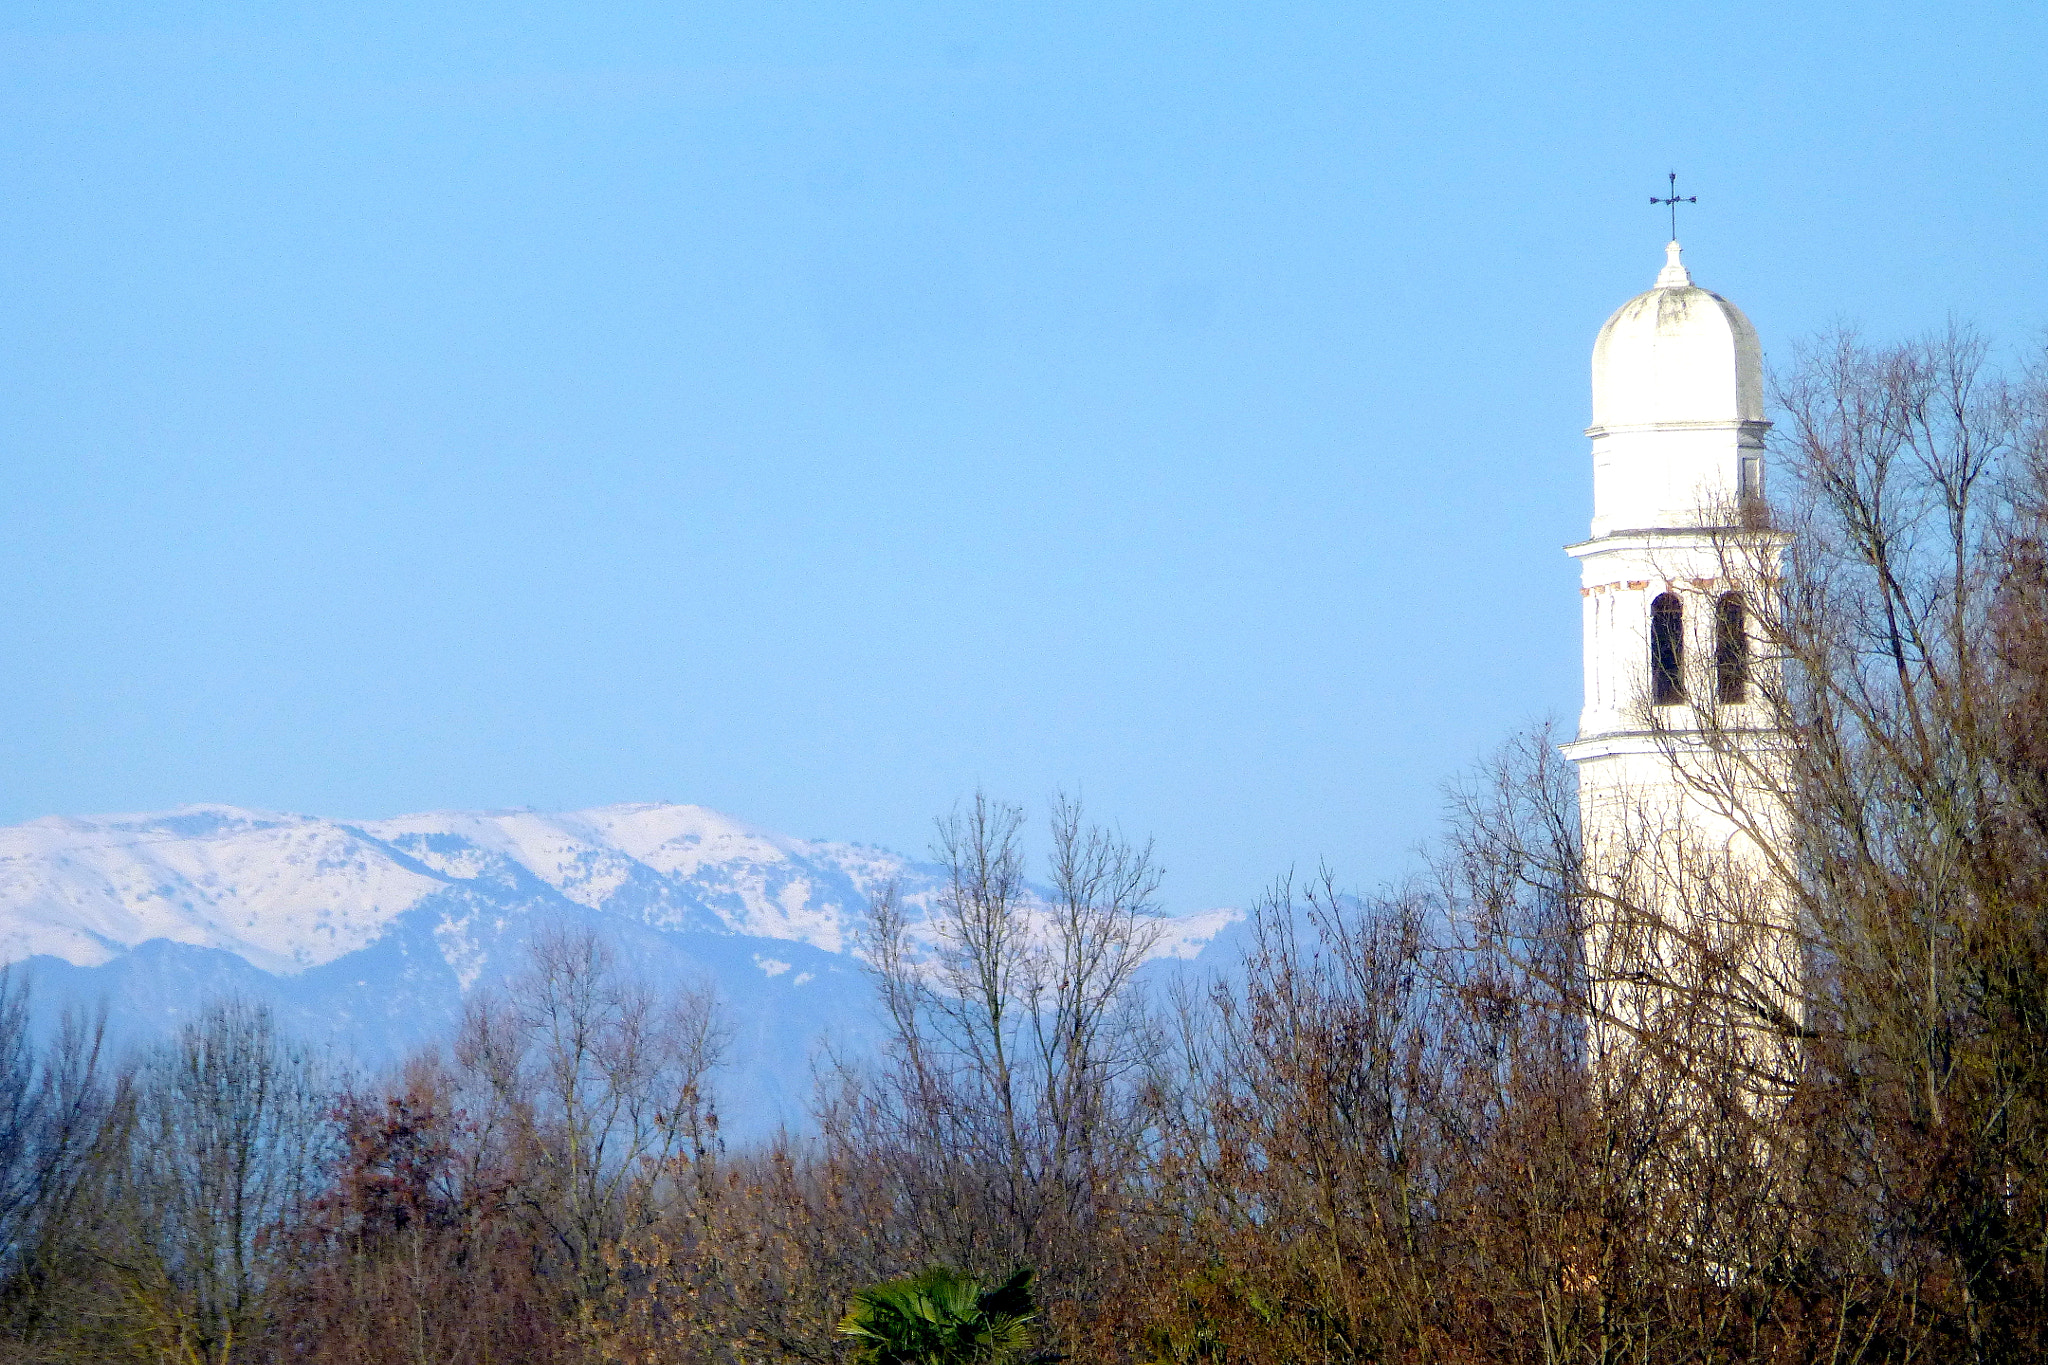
[410, 1254]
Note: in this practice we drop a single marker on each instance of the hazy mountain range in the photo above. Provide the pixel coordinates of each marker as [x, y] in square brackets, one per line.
[365, 936]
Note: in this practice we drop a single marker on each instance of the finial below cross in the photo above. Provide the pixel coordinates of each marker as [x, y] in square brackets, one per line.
[1674, 201]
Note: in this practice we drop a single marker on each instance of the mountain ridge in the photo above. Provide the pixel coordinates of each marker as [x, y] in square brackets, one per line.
[366, 936]
[288, 892]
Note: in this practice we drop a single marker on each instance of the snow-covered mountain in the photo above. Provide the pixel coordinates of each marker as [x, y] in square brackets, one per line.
[367, 935]
[289, 892]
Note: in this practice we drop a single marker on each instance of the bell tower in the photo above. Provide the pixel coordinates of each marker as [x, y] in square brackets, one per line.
[1680, 805]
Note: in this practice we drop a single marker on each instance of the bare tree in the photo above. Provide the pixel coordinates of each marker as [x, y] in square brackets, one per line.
[594, 1084]
[229, 1136]
[62, 1124]
[1912, 621]
[1008, 1104]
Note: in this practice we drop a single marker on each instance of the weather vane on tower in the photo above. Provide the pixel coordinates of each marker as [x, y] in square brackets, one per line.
[1674, 201]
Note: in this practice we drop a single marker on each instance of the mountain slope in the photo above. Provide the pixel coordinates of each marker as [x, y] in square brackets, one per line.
[367, 936]
[289, 892]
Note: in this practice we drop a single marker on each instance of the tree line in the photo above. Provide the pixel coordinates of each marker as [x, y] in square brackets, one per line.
[1393, 1134]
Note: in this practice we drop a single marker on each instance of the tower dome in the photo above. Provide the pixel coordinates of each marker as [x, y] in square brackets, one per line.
[1678, 409]
[1677, 353]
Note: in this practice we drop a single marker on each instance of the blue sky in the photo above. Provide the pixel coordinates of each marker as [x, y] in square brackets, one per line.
[817, 410]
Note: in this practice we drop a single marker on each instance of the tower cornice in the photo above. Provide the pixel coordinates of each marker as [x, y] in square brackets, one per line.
[1655, 537]
[1676, 741]
[1749, 426]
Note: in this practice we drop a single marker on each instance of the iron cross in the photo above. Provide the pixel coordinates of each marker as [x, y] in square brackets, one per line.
[1674, 201]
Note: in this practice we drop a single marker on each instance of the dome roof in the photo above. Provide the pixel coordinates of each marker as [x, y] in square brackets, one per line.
[1677, 354]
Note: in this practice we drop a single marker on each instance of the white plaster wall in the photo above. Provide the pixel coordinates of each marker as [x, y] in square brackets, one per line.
[1670, 474]
[1619, 578]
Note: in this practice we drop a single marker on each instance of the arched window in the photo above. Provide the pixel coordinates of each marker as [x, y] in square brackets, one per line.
[1731, 647]
[1667, 650]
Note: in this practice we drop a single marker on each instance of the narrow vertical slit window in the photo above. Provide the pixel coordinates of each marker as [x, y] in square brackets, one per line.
[1731, 648]
[1667, 650]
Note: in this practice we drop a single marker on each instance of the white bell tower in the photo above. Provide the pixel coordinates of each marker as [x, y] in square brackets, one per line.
[1675, 751]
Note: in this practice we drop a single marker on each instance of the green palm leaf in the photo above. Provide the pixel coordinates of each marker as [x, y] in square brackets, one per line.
[941, 1317]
